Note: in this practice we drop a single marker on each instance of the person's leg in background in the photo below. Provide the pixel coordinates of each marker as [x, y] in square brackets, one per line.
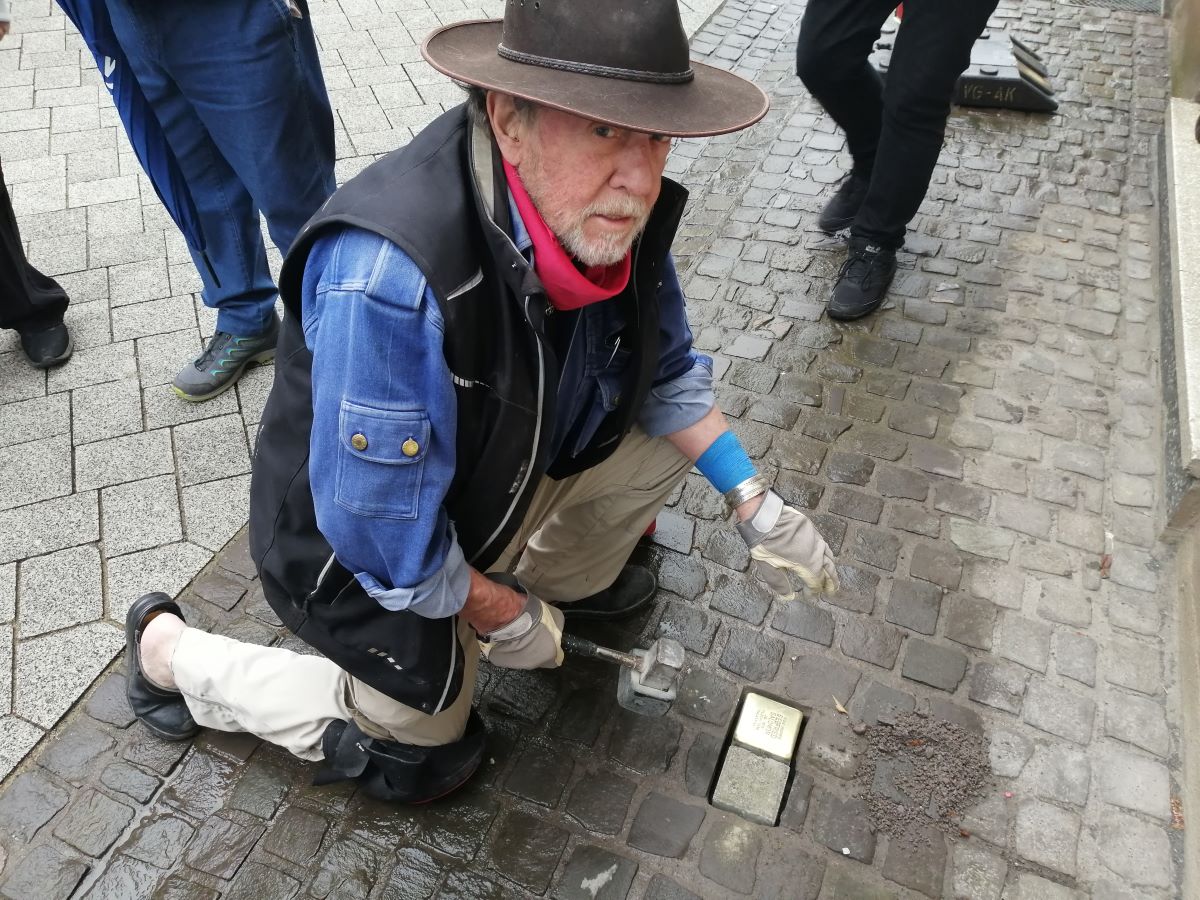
[247, 83]
[32, 304]
[836, 37]
[932, 48]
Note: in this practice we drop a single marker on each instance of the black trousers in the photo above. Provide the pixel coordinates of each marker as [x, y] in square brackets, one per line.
[894, 132]
[29, 300]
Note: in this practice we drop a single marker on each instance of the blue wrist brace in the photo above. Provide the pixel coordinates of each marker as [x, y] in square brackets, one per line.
[725, 463]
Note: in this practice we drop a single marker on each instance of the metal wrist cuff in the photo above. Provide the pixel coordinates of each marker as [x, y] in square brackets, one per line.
[747, 490]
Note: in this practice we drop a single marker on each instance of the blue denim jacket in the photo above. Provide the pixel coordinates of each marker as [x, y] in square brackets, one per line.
[375, 332]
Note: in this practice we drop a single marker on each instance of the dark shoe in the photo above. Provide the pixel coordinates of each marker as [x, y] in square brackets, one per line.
[47, 347]
[400, 773]
[863, 281]
[159, 709]
[223, 361]
[633, 589]
[839, 212]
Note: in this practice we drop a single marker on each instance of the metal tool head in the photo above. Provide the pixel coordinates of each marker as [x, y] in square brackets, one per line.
[649, 689]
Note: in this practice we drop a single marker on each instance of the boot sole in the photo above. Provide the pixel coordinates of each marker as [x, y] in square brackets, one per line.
[264, 356]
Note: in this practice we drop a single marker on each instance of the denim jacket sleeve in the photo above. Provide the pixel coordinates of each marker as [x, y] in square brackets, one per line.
[382, 448]
[682, 393]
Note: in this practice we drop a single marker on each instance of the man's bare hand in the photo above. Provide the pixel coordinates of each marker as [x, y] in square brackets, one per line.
[490, 605]
[4, 26]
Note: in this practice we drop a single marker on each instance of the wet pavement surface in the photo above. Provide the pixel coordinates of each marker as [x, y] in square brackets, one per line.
[965, 452]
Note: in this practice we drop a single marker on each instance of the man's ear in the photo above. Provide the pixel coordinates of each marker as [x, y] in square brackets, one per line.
[509, 126]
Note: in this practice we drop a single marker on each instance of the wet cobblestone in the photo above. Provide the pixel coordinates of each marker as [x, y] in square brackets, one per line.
[963, 452]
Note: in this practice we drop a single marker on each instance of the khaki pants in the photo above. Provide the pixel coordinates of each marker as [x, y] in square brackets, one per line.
[573, 542]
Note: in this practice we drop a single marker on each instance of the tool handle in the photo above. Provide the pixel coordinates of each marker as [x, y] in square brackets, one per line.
[583, 647]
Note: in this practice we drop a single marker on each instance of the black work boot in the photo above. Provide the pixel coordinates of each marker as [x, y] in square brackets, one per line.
[632, 590]
[160, 709]
[840, 211]
[863, 280]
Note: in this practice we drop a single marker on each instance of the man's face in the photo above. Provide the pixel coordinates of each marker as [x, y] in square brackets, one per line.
[593, 184]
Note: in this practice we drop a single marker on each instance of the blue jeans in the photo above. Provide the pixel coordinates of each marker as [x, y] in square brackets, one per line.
[237, 88]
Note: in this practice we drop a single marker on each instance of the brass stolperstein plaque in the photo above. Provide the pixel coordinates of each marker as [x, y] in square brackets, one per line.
[768, 726]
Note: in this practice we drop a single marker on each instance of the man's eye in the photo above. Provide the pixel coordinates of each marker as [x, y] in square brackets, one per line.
[603, 131]
[660, 138]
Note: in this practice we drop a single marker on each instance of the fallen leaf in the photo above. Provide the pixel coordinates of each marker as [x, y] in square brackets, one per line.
[837, 704]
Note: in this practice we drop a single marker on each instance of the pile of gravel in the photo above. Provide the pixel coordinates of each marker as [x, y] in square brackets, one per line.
[919, 772]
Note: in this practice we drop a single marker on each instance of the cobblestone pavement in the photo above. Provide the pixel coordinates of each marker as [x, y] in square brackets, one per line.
[109, 484]
[965, 452]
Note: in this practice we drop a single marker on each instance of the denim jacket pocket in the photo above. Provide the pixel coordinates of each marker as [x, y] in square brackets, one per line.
[380, 460]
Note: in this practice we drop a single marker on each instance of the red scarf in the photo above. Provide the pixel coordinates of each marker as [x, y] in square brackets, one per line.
[566, 286]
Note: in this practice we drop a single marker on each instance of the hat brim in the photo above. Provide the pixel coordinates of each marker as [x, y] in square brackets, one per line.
[713, 102]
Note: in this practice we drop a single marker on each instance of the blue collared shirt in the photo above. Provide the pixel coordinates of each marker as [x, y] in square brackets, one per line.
[375, 332]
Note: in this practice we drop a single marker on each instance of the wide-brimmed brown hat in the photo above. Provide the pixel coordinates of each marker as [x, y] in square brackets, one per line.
[620, 62]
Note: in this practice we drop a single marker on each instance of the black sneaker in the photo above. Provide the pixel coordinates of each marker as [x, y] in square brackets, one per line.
[863, 281]
[223, 361]
[839, 212]
[47, 347]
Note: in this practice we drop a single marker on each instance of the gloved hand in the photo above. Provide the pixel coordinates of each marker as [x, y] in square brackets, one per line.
[782, 540]
[533, 640]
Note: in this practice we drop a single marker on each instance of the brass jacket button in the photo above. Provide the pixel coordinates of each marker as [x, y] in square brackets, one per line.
[359, 441]
[410, 448]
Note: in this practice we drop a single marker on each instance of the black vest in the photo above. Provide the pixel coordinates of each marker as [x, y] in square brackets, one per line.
[453, 222]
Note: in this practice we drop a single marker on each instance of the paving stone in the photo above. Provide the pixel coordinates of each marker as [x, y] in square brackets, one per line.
[935, 665]
[879, 703]
[871, 641]
[593, 873]
[600, 801]
[937, 564]
[901, 483]
[108, 703]
[978, 873]
[664, 826]
[843, 826]
[752, 655]
[578, 719]
[1064, 602]
[998, 685]
[743, 597]
[914, 605]
[1047, 835]
[1024, 641]
[93, 822]
[415, 876]
[729, 854]
[876, 548]
[706, 696]
[28, 803]
[1138, 721]
[692, 627]
[849, 468]
[795, 807]
[73, 753]
[914, 420]
[644, 745]
[540, 775]
[1060, 773]
[804, 620]
[1135, 665]
[815, 679]
[130, 781]
[915, 521]
[855, 505]
[727, 549]
[663, 888]
[124, 877]
[525, 696]
[857, 589]
[1075, 656]
[674, 532]
[981, 540]
[140, 515]
[846, 883]
[828, 745]
[1135, 850]
[117, 460]
[919, 863]
[1034, 887]
[962, 500]
[1134, 782]
[45, 873]
[970, 622]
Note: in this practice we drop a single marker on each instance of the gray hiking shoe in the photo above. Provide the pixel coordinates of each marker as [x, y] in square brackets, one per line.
[223, 361]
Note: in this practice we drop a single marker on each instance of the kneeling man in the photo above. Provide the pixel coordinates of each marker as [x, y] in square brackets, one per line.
[485, 390]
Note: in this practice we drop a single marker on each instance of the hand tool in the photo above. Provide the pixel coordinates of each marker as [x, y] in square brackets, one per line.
[648, 678]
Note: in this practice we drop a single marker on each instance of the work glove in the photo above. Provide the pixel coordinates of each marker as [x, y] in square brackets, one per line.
[782, 540]
[533, 640]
